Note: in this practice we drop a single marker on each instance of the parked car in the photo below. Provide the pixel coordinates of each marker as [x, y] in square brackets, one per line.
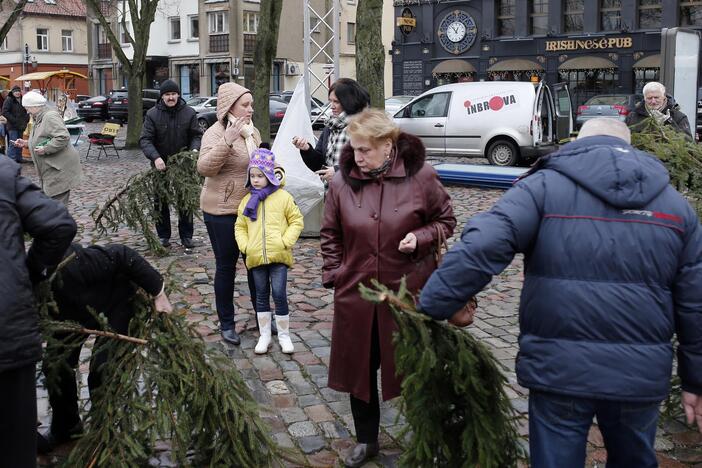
[395, 103]
[276, 112]
[118, 102]
[506, 121]
[202, 103]
[615, 106]
[81, 98]
[319, 112]
[93, 108]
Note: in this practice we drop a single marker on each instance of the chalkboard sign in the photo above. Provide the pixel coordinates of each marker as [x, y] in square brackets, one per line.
[412, 77]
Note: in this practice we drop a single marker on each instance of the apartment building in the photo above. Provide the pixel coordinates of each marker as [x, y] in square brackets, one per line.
[49, 35]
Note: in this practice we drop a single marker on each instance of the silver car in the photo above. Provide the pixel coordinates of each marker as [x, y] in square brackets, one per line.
[203, 103]
[614, 106]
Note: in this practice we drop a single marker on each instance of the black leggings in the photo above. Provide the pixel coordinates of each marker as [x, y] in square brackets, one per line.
[18, 418]
[366, 416]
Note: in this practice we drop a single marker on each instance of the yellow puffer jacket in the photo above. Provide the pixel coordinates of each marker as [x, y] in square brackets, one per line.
[271, 237]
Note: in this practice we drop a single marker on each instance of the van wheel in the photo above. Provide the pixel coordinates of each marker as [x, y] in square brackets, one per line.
[503, 153]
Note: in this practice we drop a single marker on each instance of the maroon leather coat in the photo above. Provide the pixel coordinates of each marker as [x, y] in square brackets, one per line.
[364, 221]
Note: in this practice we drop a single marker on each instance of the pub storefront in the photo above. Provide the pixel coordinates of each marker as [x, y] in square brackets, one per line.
[614, 48]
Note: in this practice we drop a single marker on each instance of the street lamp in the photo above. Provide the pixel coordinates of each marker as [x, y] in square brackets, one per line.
[28, 60]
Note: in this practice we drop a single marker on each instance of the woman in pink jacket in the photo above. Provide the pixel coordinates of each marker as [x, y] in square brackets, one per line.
[224, 161]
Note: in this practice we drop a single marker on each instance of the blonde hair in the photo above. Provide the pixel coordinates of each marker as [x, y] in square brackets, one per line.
[373, 125]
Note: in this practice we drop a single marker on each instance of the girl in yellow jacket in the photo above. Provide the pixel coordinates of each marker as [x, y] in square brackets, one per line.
[267, 226]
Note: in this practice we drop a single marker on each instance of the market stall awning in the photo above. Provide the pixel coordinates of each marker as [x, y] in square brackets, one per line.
[515, 65]
[45, 75]
[652, 61]
[454, 66]
[4, 80]
[587, 62]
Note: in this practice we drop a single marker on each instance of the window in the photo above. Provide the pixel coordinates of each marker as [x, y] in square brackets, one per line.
[573, 16]
[66, 40]
[434, 105]
[691, 13]
[123, 33]
[250, 22]
[539, 17]
[189, 80]
[650, 13]
[350, 33]
[174, 26]
[42, 39]
[194, 26]
[584, 84]
[219, 73]
[505, 17]
[610, 15]
[218, 22]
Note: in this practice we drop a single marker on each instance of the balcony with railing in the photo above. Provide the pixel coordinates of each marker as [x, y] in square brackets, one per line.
[219, 43]
[249, 44]
[104, 51]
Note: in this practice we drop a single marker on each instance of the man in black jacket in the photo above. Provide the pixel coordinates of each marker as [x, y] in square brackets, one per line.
[169, 127]
[24, 209]
[17, 119]
[104, 279]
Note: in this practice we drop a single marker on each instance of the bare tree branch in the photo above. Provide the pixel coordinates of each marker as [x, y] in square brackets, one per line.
[19, 6]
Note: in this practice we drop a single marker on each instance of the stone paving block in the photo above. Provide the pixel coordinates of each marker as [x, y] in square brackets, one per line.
[319, 413]
[321, 352]
[271, 374]
[334, 430]
[311, 444]
[292, 414]
[277, 387]
[306, 358]
[308, 400]
[284, 401]
[302, 429]
[317, 343]
[323, 459]
[283, 440]
[289, 365]
[330, 395]
[341, 407]
[266, 362]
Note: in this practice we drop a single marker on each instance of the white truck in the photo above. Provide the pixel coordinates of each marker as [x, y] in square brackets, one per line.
[508, 122]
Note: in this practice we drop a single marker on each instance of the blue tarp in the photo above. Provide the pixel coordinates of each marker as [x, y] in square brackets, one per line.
[479, 175]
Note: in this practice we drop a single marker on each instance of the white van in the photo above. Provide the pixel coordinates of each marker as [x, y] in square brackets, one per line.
[506, 121]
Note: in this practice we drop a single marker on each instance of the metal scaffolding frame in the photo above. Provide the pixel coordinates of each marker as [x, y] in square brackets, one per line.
[328, 22]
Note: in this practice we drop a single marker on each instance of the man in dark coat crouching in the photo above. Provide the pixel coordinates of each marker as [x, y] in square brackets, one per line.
[24, 209]
[612, 268]
[104, 279]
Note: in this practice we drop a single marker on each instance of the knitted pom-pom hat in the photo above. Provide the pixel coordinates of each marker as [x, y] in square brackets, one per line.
[263, 160]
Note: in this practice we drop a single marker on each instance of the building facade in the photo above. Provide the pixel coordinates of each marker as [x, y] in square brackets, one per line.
[596, 46]
[48, 36]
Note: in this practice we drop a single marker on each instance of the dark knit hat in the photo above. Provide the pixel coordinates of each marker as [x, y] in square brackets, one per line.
[16, 88]
[169, 86]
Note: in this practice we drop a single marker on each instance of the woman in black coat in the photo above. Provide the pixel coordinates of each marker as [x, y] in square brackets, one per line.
[347, 98]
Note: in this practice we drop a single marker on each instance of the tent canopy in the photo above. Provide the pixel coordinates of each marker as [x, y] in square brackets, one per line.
[515, 65]
[45, 75]
[587, 62]
[453, 66]
[652, 61]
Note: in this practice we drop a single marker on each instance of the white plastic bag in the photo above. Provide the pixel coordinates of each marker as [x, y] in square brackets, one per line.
[303, 184]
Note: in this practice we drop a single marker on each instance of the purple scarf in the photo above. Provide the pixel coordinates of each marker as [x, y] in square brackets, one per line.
[257, 195]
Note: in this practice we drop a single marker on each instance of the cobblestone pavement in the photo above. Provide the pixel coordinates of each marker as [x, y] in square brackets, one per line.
[302, 411]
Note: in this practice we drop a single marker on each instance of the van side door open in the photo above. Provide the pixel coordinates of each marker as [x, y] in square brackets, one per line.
[564, 111]
[426, 118]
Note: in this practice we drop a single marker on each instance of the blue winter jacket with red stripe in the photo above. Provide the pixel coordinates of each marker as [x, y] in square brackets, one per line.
[613, 267]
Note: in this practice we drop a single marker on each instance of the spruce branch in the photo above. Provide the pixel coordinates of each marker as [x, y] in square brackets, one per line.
[453, 391]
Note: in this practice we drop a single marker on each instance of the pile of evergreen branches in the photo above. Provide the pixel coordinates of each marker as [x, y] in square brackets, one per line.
[452, 391]
[162, 386]
[134, 205]
[681, 156]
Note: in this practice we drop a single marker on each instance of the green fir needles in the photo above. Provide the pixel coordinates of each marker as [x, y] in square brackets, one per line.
[452, 390]
[681, 156]
[134, 205]
[169, 396]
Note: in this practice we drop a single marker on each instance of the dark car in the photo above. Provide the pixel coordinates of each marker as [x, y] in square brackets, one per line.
[319, 112]
[616, 106]
[118, 102]
[93, 108]
[276, 112]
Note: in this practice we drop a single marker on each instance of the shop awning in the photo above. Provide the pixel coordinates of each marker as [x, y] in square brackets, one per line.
[45, 75]
[454, 66]
[515, 65]
[587, 62]
[652, 61]
[4, 81]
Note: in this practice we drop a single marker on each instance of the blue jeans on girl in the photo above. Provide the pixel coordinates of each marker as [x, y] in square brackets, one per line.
[271, 277]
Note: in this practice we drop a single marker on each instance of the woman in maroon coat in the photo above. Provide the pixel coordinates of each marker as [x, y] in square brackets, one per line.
[380, 221]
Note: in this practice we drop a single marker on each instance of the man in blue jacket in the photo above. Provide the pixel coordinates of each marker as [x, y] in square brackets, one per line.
[613, 267]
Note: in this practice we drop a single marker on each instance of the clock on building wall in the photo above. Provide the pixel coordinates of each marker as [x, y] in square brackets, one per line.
[457, 32]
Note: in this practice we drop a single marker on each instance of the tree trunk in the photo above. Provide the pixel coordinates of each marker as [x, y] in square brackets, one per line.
[370, 54]
[135, 111]
[14, 14]
[266, 46]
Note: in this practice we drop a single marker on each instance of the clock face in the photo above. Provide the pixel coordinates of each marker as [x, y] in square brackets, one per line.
[457, 32]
